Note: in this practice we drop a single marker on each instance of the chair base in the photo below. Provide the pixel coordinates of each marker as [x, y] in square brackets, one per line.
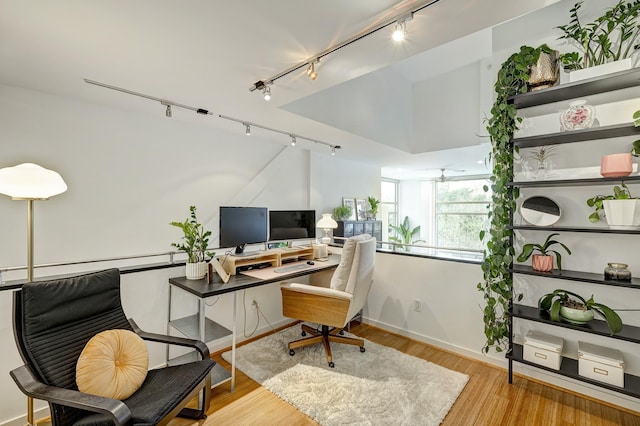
[324, 336]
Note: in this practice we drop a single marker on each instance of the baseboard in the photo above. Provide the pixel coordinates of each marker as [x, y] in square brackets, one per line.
[22, 420]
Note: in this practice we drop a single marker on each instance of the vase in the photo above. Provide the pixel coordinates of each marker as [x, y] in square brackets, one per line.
[578, 116]
[576, 316]
[196, 271]
[545, 72]
[598, 70]
[616, 165]
[542, 263]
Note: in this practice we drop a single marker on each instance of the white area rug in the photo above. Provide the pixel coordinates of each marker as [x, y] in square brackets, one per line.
[381, 386]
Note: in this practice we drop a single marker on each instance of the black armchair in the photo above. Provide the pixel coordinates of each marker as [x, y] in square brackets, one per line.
[54, 320]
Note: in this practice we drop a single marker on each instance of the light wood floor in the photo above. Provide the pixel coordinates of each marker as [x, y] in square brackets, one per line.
[487, 399]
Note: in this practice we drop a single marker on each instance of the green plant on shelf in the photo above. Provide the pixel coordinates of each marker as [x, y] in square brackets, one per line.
[342, 212]
[543, 249]
[195, 240]
[621, 192]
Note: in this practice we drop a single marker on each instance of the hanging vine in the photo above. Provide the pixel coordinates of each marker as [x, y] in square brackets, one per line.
[497, 284]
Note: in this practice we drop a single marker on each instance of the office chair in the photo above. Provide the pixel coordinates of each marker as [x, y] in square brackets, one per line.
[335, 306]
[54, 320]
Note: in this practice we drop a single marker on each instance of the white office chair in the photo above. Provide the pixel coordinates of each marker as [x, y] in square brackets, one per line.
[337, 305]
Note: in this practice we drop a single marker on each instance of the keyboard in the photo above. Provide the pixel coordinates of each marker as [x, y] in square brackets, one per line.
[291, 268]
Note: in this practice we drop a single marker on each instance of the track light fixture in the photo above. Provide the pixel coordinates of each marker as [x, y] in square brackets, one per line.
[165, 102]
[311, 69]
[267, 93]
[294, 137]
[399, 21]
[400, 31]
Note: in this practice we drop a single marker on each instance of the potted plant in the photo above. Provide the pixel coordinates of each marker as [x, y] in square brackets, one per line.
[609, 38]
[574, 309]
[342, 212]
[619, 207]
[405, 234]
[544, 260]
[195, 241]
[374, 205]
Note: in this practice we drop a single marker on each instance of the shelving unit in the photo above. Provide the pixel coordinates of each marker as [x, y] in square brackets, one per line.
[593, 86]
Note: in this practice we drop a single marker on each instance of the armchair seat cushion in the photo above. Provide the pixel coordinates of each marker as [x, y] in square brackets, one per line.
[112, 364]
[161, 391]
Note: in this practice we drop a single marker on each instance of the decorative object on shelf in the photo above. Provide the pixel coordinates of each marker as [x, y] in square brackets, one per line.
[619, 208]
[543, 349]
[497, 282]
[609, 38]
[343, 212]
[374, 205]
[554, 302]
[326, 223]
[361, 209]
[544, 261]
[195, 242]
[635, 146]
[601, 363]
[350, 202]
[542, 156]
[404, 234]
[617, 272]
[545, 72]
[578, 116]
[540, 211]
[616, 165]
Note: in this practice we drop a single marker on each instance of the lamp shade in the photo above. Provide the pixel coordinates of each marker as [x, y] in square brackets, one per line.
[30, 181]
[327, 222]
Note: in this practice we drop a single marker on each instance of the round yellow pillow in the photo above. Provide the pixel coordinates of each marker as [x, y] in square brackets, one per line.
[113, 364]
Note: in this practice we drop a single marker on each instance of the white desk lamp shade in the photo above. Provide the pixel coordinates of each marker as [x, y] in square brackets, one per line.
[30, 181]
[326, 223]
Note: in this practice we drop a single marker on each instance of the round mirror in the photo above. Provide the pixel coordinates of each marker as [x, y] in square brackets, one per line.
[540, 211]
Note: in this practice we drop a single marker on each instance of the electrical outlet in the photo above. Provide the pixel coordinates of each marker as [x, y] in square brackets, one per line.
[254, 304]
[417, 305]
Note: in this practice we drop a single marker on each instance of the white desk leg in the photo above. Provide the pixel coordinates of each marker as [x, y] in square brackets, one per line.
[233, 344]
[201, 320]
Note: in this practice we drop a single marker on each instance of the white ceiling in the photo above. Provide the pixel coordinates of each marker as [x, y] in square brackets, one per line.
[208, 53]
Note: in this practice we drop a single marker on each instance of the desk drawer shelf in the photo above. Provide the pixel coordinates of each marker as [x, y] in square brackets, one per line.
[219, 374]
[189, 327]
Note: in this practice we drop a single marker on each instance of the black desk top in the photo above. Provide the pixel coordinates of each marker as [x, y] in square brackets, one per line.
[202, 289]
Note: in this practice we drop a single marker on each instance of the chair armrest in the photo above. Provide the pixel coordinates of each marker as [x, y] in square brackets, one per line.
[172, 340]
[320, 291]
[31, 386]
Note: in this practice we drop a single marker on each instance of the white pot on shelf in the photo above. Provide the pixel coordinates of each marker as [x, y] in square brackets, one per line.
[621, 213]
[196, 271]
[598, 70]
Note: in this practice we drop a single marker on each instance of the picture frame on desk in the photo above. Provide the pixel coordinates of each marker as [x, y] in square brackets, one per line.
[361, 209]
[350, 202]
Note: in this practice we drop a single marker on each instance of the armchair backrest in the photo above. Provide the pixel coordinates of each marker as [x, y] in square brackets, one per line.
[354, 274]
[54, 320]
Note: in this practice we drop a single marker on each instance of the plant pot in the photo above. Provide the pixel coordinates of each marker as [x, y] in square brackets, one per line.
[598, 70]
[620, 213]
[196, 271]
[576, 316]
[542, 263]
[616, 165]
[545, 72]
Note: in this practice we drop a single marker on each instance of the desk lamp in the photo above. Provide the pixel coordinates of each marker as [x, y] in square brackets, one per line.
[29, 182]
[326, 223]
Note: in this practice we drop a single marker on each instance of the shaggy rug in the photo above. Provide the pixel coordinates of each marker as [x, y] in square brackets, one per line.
[381, 386]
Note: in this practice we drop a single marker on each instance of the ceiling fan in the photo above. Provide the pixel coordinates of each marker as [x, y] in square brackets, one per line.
[444, 178]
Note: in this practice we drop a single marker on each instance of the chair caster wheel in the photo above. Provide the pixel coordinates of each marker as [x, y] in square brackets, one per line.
[331, 364]
[361, 348]
[341, 332]
[292, 352]
[304, 333]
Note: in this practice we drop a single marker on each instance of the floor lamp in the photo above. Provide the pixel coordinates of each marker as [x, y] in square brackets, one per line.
[30, 182]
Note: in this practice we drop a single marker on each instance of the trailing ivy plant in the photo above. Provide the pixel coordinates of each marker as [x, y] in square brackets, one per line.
[497, 284]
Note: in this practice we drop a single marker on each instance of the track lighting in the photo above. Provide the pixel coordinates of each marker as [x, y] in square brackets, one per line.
[311, 70]
[294, 138]
[267, 93]
[168, 111]
[400, 31]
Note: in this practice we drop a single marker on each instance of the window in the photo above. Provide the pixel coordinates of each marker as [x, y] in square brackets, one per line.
[388, 212]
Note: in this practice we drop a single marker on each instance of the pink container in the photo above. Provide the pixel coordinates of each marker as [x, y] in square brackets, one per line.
[616, 165]
[542, 263]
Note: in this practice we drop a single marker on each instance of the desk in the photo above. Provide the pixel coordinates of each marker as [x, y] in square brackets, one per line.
[199, 327]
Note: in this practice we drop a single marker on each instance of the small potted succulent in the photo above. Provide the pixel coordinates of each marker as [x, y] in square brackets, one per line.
[574, 309]
[543, 260]
[195, 242]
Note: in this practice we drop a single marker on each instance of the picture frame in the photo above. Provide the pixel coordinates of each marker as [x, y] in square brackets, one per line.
[350, 202]
[361, 209]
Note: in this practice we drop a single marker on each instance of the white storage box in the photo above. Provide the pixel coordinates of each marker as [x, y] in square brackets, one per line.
[543, 349]
[601, 363]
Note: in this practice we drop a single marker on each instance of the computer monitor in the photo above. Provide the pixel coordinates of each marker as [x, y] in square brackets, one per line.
[240, 226]
[291, 224]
